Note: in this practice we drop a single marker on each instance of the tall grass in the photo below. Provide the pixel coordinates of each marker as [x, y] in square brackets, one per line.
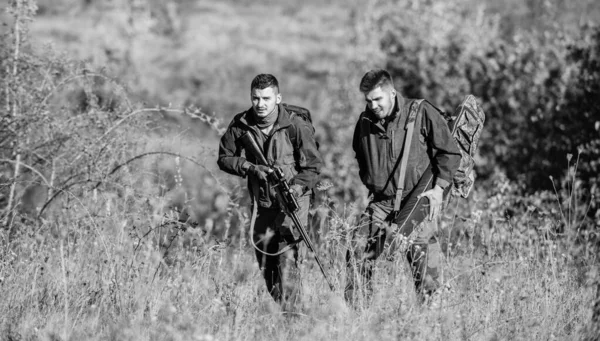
[130, 271]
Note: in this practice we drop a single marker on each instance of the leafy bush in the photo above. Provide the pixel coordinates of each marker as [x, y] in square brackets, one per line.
[538, 88]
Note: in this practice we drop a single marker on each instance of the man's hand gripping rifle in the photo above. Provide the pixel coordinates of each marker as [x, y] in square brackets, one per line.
[286, 197]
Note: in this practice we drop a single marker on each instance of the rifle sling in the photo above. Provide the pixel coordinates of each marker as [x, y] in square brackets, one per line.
[410, 127]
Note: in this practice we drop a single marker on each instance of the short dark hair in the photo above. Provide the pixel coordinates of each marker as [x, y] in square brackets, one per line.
[375, 78]
[263, 81]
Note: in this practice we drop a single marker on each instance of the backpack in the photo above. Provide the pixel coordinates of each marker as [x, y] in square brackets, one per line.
[303, 113]
[465, 125]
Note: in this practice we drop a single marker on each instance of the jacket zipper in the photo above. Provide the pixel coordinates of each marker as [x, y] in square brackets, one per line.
[392, 143]
[258, 138]
[268, 151]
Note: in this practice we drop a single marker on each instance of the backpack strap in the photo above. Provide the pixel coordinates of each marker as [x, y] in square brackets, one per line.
[293, 130]
[410, 127]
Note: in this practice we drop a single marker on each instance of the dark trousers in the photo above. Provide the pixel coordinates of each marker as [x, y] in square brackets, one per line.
[273, 231]
[374, 236]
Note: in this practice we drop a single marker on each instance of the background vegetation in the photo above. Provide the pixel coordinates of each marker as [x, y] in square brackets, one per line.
[116, 223]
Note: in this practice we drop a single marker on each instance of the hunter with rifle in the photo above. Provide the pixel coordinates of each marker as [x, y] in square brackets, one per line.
[282, 163]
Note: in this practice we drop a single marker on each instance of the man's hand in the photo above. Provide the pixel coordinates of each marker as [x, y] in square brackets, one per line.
[436, 197]
[260, 171]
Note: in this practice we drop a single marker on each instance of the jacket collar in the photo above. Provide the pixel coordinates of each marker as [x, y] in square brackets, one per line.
[283, 119]
[397, 113]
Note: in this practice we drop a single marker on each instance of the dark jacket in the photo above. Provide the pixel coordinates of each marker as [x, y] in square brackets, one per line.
[301, 163]
[379, 148]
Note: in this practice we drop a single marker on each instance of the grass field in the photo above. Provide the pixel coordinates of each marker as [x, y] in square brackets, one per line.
[126, 277]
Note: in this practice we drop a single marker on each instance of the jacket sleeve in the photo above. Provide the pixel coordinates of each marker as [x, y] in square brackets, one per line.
[445, 153]
[230, 151]
[358, 154]
[310, 161]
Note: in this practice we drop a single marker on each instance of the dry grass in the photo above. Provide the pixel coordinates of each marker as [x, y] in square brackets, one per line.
[135, 275]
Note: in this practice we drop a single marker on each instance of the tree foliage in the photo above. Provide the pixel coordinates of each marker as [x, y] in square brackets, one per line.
[538, 87]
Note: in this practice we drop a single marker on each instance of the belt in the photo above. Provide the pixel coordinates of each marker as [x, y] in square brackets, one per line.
[382, 197]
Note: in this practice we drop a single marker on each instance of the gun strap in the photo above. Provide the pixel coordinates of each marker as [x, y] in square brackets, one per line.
[410, 126]
[254, 195]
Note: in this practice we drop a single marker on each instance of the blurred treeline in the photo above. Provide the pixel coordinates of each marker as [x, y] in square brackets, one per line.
[71, 109]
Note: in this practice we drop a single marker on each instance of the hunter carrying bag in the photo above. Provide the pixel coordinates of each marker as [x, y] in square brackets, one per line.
[466, 125]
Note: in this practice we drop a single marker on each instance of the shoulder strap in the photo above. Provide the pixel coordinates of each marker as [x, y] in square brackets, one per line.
[292, 131]
[410, 127]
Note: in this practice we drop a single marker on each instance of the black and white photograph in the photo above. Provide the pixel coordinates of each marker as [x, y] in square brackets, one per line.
[215, 170]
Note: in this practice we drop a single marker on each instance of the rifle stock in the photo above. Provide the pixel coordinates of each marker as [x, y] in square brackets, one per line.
[286, 198]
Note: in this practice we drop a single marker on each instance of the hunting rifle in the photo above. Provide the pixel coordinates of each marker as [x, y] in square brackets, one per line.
[286, 197]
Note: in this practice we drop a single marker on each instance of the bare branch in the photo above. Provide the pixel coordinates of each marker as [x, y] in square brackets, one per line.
[85, 74]
[149, 154]
[37, 172]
